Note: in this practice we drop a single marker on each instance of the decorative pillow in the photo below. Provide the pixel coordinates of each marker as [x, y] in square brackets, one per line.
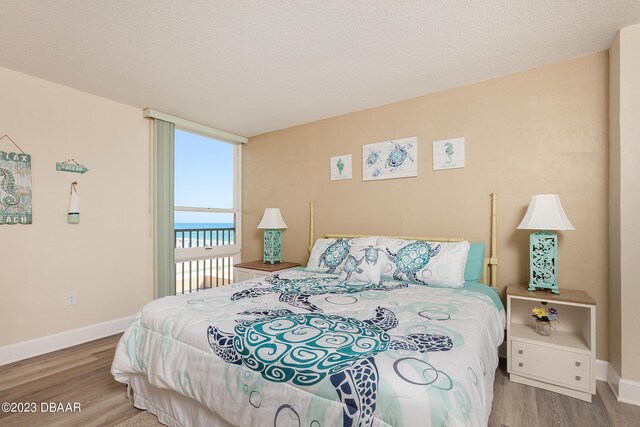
[330, 255]
[427, 263]
[363, 264]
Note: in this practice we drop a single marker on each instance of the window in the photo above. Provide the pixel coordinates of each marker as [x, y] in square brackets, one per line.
[207, 211]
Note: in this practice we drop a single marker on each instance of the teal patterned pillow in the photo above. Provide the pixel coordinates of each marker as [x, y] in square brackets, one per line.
[330, 255]
[363, 264]
[428, 263]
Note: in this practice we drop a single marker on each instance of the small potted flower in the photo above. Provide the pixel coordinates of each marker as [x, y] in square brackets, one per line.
[545, 320]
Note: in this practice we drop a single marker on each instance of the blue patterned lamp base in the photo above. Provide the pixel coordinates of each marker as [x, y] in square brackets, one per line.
[272, 246]
[543, 247]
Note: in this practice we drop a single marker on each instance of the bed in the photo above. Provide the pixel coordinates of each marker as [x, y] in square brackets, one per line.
[323, 347]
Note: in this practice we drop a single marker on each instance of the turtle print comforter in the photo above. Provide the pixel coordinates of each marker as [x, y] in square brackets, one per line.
[309, 349]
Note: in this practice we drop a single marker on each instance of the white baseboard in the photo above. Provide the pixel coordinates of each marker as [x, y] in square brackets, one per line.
[629, 392]
[613, 378]
[602, 370]
[36, 347]
[626, 391]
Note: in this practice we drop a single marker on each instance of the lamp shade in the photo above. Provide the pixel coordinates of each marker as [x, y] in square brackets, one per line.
[272, 219]
[545, 213]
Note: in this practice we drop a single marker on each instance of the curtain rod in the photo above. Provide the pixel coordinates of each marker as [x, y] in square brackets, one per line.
[193, 126]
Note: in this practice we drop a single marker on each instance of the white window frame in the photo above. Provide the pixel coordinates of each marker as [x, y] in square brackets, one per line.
[193, 254]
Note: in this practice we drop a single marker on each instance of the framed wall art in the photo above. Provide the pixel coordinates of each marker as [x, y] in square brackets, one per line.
[448, 154]
[397, 158]
[341, 167]
[15, 187]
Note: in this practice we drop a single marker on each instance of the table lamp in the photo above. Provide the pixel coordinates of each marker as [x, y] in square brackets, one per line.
[272, 223]
[544, 213]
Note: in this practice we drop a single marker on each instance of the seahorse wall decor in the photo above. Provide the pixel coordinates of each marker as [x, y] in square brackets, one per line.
[15, 188]
[10, 198]
[448, 154]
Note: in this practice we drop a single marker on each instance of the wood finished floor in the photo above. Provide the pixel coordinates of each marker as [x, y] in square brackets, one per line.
[81, 374]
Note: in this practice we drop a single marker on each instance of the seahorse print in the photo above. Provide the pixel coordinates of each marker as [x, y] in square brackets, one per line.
[11, 198]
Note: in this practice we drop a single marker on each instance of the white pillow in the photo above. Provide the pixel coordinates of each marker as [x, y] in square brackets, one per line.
[330, 255]
[428, 263]
[363, 264]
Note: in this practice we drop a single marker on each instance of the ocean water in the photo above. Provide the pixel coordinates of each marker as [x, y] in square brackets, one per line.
[206, 236]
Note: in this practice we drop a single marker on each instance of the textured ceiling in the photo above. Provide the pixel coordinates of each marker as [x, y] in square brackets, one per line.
[254, 66]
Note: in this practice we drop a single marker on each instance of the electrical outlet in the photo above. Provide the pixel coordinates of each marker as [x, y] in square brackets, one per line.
[71, 298]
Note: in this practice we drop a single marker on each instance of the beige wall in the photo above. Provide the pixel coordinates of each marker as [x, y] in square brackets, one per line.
[106, 257]
[625, 202]
[538, 131]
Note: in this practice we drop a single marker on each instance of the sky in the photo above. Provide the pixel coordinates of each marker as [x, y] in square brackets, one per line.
[203, 170]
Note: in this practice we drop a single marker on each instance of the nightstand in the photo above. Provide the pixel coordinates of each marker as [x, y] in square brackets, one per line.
[258, 269]
[563, 362]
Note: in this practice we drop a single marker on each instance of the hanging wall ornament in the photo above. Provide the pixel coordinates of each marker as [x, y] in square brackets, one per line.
[74, 205]
[15, 186]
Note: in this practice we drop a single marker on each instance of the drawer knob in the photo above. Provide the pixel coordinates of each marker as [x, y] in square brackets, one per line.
[520, 351]
[521, 364]
[578, 377]
[578, 363]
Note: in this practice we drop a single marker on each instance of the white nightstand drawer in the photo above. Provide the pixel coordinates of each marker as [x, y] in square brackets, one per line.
[554, 374]
[260, 274]
[552, 365]
[548, 355]
[242, 275]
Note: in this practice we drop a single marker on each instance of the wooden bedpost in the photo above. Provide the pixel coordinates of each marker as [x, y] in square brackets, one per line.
[310, 226]
[493, 260]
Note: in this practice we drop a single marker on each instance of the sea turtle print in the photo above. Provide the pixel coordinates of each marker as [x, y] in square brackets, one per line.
[373, 157]
[351, 266]
[306, 348]
[296, 292]
[411, 259]
[334, 255]
[371, 254]
[260, 312]
[398, 155]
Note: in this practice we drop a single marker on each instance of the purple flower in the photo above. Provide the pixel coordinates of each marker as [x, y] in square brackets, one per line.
[553, 314]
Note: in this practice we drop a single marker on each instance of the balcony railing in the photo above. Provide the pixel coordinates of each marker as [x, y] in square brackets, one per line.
[202, 237]
[204, 258]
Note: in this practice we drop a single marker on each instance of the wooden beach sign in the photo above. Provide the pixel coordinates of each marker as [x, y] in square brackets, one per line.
[71, 166]
[15, 188]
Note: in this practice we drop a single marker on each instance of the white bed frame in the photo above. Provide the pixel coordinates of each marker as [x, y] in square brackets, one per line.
[490, 265]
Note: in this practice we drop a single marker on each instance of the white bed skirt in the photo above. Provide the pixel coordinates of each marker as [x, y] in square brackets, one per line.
[172, 408]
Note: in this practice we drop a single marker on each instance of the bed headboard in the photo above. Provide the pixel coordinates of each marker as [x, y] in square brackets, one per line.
[489, 267]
